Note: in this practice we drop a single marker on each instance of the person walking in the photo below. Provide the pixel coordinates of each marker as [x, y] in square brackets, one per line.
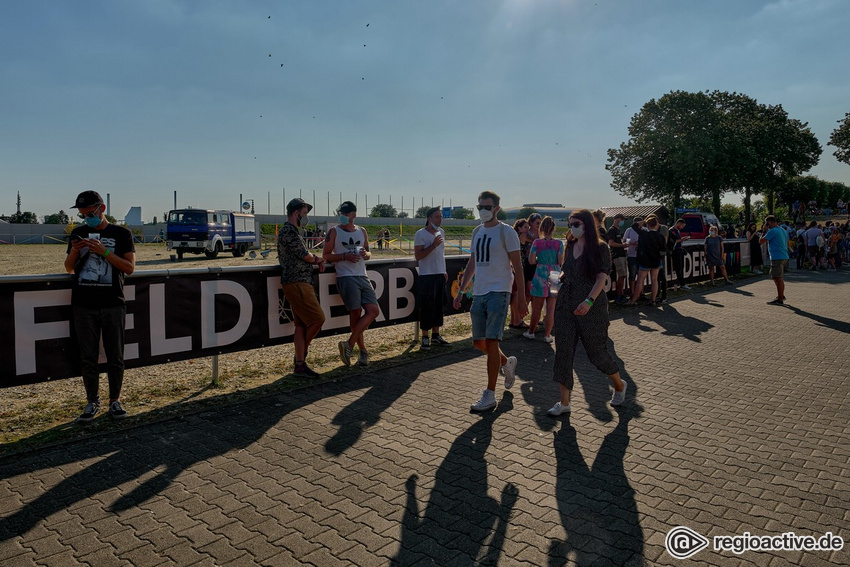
[777, 246]
[99, 254]
[547, 254]
[296, 282]
[430, 251]
[581, 311]
[347, 246]
[631, 238]
[494, 251]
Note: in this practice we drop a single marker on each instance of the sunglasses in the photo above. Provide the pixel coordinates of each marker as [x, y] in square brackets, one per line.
[90, 215]
[485, 207]
[576, 224]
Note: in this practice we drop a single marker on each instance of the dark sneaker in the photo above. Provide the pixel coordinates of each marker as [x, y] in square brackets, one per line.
[426, 342]
[776, 301]
[363, 358]
[88, 414]
[117, 411]
[304, 371]
[439, 340]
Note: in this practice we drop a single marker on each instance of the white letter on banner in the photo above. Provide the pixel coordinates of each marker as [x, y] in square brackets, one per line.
[160, 344]
[27, 331]
[328, 300]
[377, 279]
[401, 293]
[209, 289]
[279, 310]
[131, 351]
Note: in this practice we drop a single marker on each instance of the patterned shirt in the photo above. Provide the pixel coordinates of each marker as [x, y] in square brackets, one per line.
[290, 253]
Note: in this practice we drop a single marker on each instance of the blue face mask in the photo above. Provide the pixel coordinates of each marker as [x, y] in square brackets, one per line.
[343, 219]
[93, 222]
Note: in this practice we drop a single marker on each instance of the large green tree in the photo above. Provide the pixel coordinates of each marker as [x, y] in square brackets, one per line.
[674, 151]
[840, 138]
[25, 217]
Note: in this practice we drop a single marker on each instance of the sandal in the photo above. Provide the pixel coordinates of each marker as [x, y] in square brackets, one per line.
[522, 325]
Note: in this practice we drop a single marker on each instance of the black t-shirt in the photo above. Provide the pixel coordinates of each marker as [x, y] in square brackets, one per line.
[97, 283]
[651, 248]
[614, 236]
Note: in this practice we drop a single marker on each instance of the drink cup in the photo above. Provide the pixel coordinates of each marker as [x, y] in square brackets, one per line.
[554, 282]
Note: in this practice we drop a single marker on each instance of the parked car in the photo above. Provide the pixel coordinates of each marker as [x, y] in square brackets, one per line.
[696, 224]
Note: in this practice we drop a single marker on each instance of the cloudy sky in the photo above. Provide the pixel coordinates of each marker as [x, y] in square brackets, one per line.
[409, 99]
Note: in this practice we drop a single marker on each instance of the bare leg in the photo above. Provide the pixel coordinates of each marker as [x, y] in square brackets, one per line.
[495, 359]
[536, 308]
[549, 322]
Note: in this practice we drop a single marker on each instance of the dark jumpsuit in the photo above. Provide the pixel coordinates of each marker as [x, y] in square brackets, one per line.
[591, 328]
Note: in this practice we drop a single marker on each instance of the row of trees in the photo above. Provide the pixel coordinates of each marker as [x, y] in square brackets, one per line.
[27, 217]
[706, 144]
[388, 211]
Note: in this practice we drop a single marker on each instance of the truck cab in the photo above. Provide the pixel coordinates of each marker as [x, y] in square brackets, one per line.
[195, 231]
[697, 224]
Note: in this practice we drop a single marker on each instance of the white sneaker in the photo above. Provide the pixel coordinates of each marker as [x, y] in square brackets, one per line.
[509, 370]
[549, 340]
[686, 287]
[559, 409]
[529, 335]
[487, 401]
[619, 397]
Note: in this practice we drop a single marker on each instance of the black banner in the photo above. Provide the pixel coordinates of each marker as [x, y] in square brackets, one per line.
[184, 314]
[178, 315]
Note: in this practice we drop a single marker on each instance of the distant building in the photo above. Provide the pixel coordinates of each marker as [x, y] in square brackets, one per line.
[557, 211]
[133, 217]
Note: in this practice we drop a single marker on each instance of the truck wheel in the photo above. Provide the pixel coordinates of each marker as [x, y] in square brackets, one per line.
[239, 250]
[215, 252]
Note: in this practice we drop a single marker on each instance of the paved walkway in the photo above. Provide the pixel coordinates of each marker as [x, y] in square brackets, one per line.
[736, 421]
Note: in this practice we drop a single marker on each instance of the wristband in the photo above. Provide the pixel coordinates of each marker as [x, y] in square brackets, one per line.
[105, 253]
[589, 301]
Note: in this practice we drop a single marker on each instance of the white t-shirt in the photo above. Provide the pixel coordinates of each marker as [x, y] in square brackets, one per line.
[492, 263]
[632, 235]
[435, 262]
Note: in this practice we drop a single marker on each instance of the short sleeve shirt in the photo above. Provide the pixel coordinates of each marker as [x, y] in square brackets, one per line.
[97, 283]
[492, 260]
[435, 262]
[290, 253]
[777, 243]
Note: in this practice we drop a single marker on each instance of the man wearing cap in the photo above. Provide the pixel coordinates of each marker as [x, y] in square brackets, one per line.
[618, 255]
[347, 246]
[430, 252]
[99, 254]
[296, 281]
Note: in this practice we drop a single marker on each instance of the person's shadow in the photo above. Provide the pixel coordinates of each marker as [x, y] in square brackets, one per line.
[597, 504]
[834, 324]
[461, 524]
[674, 323]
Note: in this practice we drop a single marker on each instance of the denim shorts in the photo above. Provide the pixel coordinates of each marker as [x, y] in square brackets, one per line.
[488, 314]
[658, 267]
[356, 291]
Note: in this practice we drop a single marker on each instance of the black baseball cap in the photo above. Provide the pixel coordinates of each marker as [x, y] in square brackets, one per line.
[297, 204]
[347, 207]
[88, 199]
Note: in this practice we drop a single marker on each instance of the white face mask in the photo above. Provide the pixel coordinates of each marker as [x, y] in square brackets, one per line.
[302, 220]
[435, 227]
[485, 215]
[577, 231]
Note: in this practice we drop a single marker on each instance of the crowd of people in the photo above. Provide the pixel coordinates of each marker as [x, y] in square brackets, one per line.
[521, 271]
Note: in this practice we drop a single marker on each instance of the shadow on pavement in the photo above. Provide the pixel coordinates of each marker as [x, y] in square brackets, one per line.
[461, 524]
[668, 317]
[834, 324]
[176, 445]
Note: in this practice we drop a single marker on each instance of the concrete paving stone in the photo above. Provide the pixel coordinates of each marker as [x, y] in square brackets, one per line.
[297, 545]
[122, 541]
[260, 549]
[223, 551]
[370, 539]
[308, 526]
[144, 556]
[64, 559]
[105, 556]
